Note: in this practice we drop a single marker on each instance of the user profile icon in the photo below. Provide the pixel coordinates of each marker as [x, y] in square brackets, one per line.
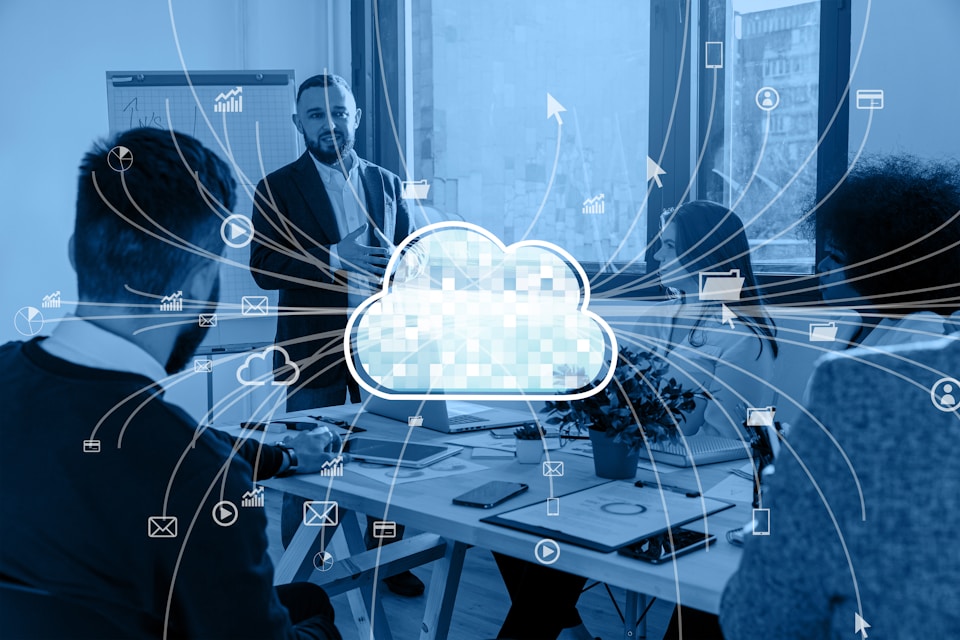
[945, 394]
[767, 98]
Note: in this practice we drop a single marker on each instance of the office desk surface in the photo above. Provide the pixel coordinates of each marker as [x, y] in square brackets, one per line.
[695, 580]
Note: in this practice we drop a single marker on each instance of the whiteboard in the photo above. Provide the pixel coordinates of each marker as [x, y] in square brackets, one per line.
[244, 117]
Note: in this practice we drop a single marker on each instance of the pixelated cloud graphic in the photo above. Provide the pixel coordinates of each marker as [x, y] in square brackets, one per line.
[467, 318]
[243, 372]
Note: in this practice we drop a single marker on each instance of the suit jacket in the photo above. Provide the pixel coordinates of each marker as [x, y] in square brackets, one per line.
[296, 226]
[898, 550]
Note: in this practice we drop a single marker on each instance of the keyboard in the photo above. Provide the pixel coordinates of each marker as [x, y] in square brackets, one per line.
[704, 450]
[465, 418]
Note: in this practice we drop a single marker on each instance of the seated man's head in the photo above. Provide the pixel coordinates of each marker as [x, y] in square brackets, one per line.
[891, 236]
[151, 229]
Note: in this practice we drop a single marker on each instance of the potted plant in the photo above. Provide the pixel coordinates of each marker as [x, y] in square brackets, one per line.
[639, 403]
[529, 439]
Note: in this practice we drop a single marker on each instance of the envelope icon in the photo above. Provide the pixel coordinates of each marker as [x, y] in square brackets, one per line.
[162, 526]
[414, 189]
[553, 468]
[208, 319]
[720, 286]
[254, 305]
[321, 513]
[203, 366]
[760, 417]
[823, 331]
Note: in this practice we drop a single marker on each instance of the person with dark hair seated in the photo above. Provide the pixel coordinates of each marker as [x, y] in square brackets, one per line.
[114, 498]
[732, 363]
[892, 250]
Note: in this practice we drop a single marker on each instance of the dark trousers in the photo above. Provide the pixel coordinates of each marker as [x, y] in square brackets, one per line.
[543, 601]
[310, 610]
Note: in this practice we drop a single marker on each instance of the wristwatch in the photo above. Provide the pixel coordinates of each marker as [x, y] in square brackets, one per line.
[292, 457]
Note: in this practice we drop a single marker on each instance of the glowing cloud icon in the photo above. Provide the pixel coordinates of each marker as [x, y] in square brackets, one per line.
[244, 370]
[479, 320]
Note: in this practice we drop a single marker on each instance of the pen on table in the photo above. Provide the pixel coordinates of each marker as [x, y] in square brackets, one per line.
[668, 487]
[333, 421]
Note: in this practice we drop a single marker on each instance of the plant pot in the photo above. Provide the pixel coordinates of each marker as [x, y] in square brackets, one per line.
[613, 460]
[529, 451]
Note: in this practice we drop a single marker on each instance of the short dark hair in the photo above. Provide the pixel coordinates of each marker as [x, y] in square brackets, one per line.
[897, 220]
[178, 190]
[323, 80]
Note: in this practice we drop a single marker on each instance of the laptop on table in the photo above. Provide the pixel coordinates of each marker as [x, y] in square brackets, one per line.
[445, 416]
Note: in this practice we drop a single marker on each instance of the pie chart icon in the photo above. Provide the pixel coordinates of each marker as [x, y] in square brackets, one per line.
[236, 231]
[28, 321]
[120, 159]
[323, 561]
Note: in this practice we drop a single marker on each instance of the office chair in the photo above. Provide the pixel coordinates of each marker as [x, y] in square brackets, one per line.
[31, 613]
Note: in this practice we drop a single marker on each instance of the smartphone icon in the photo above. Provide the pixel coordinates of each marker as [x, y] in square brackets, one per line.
[713, 56]
[761, 522]
[553, 506]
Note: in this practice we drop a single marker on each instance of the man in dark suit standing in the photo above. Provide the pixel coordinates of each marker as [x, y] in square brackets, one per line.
[326, 226]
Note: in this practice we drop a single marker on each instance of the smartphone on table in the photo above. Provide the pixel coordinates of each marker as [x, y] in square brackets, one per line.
[658, 549]
[490, 494]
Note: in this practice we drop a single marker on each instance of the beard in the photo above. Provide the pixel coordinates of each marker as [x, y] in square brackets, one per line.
[187, 342]
[328, 155]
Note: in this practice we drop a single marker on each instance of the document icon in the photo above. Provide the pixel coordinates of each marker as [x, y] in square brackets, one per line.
[870, 99]
[384, 529]
[91, 446]
[761, 522]
[162, 526]
[414, 189]
[823, 331]
[415, 421]
[553, 468]
[762, 417]
[321, 513]
[254, 305]
[208, 320]
[720, 286]
[203, 366]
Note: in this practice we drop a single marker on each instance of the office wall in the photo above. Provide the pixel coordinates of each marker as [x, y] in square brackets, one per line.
[55, 54]
[911, 51]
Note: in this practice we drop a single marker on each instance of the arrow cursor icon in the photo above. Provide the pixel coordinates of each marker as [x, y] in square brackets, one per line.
[654, 171]
[860, 625]
[726, 315]
[554, 108]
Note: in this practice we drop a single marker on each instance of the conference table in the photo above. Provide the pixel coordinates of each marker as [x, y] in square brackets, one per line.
[695, 580]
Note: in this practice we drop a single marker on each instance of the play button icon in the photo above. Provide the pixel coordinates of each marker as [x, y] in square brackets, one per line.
[225, 513]
[547, 551]
[236, 231]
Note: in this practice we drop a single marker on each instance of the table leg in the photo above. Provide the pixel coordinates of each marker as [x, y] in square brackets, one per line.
[442, 592]
[636, 602]
[367, 610]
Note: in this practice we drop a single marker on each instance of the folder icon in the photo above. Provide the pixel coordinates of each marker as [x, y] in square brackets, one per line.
[414, 189]
[823, 331]
[760, 417]
[415, 421]
[720, 286]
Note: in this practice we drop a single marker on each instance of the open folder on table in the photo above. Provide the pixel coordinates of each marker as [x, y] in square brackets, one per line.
[610, 516]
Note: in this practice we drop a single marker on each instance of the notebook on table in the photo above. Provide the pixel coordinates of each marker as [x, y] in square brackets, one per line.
[699, 450]
[453, 416]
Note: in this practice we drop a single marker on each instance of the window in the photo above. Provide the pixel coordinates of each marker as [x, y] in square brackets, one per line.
[632, 78]
[481, 72]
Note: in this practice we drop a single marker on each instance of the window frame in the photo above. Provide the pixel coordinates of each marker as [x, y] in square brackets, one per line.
[382, 81]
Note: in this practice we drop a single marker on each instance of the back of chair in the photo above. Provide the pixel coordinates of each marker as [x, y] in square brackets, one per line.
[32, 613]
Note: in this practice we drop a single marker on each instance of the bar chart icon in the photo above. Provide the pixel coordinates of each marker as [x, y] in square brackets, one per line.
[172, 302]
[332, 468]
[51, 300]
[252, 498]
[229, 102]
[594, 204]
